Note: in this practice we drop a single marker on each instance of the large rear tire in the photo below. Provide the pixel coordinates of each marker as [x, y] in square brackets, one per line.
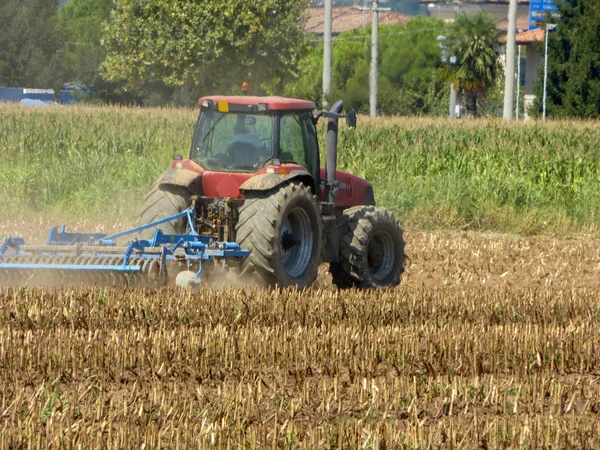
[164, 201]
[282, 229]
[371, 249]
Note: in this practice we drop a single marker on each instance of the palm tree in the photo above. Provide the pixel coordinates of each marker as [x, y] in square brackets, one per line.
[473, 40]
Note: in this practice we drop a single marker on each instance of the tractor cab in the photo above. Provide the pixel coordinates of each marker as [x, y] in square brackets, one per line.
[245, 134]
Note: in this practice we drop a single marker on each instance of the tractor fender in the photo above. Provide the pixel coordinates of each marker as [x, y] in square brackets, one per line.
[186, 178]
[268, 181]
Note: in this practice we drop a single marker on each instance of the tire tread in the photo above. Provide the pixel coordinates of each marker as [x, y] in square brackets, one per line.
[259, 217]
[164, 201]
[355, 225]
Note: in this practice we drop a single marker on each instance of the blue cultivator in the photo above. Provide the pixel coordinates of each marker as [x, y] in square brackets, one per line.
[96, 259]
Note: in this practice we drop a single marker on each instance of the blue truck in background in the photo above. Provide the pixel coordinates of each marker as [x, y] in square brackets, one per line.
[41, 96]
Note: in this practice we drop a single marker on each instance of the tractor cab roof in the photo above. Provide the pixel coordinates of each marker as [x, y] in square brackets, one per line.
[252, 103]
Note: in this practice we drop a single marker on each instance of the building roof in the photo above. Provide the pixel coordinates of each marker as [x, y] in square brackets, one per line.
[522, 24]
[475, 2]
[346, 18]
[527, 37]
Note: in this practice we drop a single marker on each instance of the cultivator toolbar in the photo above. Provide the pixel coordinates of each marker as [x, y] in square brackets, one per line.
[96, 259]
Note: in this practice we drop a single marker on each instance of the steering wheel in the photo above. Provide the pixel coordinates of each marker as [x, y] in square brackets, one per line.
[244, 154]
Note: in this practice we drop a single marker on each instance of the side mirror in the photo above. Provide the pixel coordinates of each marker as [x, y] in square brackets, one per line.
[351, 119]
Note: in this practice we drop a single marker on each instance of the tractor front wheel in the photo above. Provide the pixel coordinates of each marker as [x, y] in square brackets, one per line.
[371, 249]
[282, 230]
[164, 201]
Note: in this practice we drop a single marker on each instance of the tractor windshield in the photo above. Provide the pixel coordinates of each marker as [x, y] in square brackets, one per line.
[232, 142]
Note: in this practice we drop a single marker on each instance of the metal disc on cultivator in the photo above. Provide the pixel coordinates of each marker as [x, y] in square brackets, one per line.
[48, 270]
[74, 259]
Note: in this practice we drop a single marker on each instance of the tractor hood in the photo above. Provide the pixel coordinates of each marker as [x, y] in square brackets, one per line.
[352, 190]
[189, 174]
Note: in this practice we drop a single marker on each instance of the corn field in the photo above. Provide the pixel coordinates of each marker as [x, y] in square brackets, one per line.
[94, 163]
[490, 342]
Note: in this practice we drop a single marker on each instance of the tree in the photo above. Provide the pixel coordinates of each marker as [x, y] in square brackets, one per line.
[81, 21]
[409, 57]
[29, 43]
[211, 45]
[473, 40]
[573, 87]
[82, 56]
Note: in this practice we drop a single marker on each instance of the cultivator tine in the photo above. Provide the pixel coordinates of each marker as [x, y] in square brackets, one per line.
[72, 259]
[50, 270]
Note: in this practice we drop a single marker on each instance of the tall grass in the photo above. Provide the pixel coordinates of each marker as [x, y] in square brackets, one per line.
[99, 162]
[530, 178]
[89, 162]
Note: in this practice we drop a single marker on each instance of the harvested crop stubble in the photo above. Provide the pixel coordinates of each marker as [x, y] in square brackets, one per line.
[461, 260]
[436, 259]
[461, 368]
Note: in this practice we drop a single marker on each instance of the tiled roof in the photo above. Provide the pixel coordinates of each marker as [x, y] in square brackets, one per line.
[476, 2]
[527, 37]
[522, 24]
[347, 18]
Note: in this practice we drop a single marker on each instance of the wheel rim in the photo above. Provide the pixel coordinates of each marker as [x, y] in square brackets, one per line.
[296, 241]
[381, 255]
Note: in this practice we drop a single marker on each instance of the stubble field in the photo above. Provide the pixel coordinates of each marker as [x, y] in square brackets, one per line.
[490, 342]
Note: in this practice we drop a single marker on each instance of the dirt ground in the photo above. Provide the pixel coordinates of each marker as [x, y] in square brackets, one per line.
[490, 342]
[473, 259]
[439, 259]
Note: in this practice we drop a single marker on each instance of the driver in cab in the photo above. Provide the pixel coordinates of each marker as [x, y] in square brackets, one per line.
[243, 136]
[245, 148]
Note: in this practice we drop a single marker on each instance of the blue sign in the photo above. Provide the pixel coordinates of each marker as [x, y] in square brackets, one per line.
[538, 10]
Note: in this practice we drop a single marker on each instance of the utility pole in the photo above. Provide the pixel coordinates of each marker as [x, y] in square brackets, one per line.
[549, 28]
[545, 72]
[327, 52]
[509, 83]
[453, 95]
[374, 69]
[364, 10]
[452, 103]
[518, 83]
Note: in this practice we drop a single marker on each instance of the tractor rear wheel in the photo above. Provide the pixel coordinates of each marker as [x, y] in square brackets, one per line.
[282, 229]
[164, 201]
[371, 249]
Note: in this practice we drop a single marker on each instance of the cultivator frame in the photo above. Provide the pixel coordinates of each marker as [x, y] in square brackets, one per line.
[95, 258]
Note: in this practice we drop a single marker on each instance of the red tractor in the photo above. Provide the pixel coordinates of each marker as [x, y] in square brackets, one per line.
[254, 177]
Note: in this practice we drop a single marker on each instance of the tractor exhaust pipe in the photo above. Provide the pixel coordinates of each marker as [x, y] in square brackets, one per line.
[331, 164]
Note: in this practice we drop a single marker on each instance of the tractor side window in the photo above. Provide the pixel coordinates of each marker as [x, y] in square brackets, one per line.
[311, 143]
[292, 140]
